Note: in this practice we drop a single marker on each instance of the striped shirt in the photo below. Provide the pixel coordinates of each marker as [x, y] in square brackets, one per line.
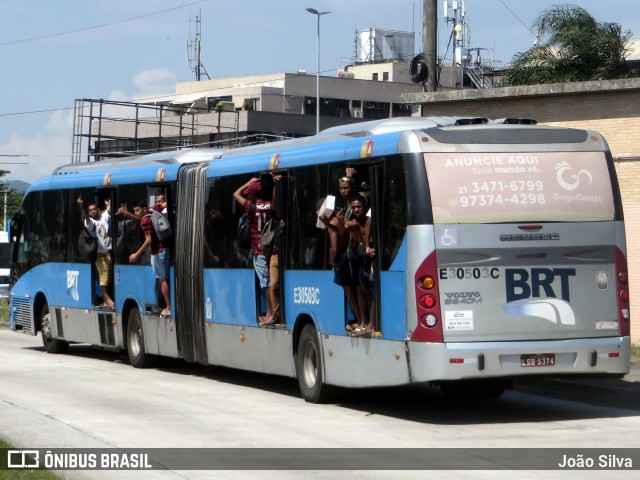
[261, 216]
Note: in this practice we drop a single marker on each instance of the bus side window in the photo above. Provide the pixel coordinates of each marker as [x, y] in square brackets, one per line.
[128, 232]
[307, 243]
[217, 221]
[237, 257]
[394, 220]
[53, 233]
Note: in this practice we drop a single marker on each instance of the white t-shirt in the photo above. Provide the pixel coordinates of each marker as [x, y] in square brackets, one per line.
[101, 229]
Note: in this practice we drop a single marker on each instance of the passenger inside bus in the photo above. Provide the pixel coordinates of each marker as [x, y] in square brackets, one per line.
[213, 221]
[129, 235]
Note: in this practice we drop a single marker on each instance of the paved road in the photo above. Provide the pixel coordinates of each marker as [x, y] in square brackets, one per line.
[93, 399]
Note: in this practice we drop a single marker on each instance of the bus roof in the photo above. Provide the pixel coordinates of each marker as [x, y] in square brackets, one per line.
[342, 143]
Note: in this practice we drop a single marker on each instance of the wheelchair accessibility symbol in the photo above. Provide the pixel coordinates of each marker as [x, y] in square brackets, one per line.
[448, 239]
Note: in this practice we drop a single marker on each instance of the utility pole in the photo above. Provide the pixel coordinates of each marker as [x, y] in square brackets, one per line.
[430, 43]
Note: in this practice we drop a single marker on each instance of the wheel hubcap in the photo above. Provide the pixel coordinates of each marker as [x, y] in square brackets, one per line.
[134, 342]
[46, 327]
[310, 365]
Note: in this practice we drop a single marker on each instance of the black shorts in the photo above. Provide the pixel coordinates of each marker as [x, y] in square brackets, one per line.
[342, 274]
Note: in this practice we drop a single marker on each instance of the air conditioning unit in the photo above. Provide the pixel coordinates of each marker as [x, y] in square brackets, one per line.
[355, 113]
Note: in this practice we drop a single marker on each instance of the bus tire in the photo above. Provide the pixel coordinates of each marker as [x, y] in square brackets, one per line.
[51, 345]
[309, 368]
[136, 352]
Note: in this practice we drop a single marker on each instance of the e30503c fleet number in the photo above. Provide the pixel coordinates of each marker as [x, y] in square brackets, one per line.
[468, 273]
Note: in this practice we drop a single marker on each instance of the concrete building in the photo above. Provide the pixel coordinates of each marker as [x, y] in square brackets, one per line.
[230, 111]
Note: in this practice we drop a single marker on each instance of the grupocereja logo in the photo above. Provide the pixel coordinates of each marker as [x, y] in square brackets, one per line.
[570, 180]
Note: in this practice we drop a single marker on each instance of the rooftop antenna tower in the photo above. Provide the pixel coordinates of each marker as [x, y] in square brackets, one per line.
[193, 51]
[455, 13]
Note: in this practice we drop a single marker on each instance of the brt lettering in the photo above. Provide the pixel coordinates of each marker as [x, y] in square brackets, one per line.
[521, 285]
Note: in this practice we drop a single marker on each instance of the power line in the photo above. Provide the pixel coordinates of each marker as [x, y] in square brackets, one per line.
[30, 39]
[519, 19]
[34, 111]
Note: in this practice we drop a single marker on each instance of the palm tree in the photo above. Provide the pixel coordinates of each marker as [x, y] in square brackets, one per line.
[577, 49]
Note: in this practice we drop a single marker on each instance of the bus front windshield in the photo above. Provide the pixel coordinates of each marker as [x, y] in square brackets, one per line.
[519, 187]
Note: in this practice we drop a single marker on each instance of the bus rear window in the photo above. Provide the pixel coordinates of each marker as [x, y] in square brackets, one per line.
[519, 187]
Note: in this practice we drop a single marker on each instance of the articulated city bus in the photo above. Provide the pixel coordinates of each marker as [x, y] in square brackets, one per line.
[499, 253]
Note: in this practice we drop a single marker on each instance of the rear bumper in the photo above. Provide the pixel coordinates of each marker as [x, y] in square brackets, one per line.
[454, 361]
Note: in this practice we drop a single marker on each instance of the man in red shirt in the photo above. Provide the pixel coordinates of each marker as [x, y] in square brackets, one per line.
[159, 252]
[247, 194]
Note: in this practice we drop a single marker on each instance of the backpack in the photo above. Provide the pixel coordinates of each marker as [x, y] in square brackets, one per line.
[270, 230]
[87, 246]
[160, 224]
[244, 228]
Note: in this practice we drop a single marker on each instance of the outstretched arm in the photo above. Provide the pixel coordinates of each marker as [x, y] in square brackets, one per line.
[238, 193]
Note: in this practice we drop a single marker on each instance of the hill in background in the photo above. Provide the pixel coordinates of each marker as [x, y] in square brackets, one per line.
[18, 185]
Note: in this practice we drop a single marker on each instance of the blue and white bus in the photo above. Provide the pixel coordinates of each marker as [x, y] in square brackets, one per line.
[500, 254]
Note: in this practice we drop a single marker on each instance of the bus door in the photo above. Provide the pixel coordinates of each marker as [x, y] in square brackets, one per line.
[276, 192]
[382, 277]
[369, 184]
[154, 298]
[372, 265]
[279, 260]
[105, 198]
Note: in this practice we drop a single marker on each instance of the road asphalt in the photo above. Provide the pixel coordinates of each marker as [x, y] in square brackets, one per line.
[616, 392]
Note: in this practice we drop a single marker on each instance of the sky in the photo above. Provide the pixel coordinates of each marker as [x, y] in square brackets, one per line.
[53, 52]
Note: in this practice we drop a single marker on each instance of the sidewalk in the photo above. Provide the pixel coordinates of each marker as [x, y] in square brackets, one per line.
[634, 373]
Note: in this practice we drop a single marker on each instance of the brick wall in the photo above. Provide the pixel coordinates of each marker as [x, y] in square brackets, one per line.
[610, 107]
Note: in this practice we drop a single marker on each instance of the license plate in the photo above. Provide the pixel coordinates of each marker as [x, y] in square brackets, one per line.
[538, 360]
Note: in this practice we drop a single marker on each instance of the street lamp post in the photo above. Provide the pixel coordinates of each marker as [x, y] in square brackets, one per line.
[313, 11]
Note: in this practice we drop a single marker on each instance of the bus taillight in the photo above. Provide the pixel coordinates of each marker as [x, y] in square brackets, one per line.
[429, 301]
[429, 325]
[622, 288]
[428, 282]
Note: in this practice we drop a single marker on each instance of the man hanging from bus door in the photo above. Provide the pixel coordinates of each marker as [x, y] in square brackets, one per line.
[360, 254]
[97, 224]
[246, 195]
[339, 240]
[159, 254]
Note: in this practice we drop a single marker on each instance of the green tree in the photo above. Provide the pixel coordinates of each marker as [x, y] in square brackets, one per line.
[13, 199]
[576, 48]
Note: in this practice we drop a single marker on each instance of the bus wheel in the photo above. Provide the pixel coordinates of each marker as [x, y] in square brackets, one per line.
[309, 367]
[138, 357]
[51, 345]
[475, 389]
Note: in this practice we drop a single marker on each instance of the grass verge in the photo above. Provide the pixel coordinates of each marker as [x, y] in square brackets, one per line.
[4, 312]
[25, 474]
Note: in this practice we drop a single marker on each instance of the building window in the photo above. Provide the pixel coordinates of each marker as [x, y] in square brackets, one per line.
[385, 76]
[374, 77]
